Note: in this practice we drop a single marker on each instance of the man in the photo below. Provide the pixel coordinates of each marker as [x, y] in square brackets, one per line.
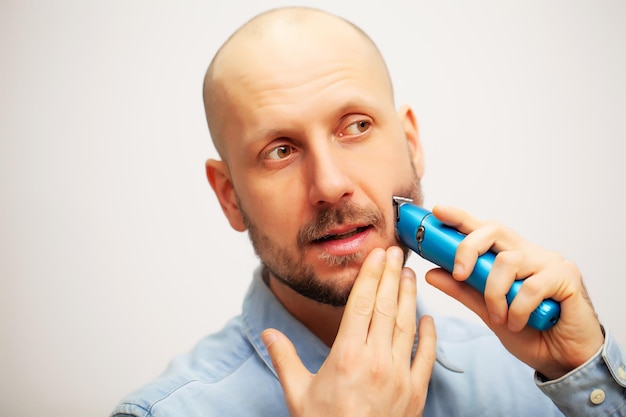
[300, 108]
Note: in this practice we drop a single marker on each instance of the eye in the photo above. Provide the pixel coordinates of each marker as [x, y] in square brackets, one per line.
[356, 128]
[279, 152]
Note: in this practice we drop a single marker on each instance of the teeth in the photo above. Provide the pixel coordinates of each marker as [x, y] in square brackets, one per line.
[342, 235]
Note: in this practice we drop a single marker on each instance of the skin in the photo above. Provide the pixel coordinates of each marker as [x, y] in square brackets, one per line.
[293, 148]
[301, 110]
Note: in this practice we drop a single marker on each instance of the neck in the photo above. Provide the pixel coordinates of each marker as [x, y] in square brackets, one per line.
[321, 319]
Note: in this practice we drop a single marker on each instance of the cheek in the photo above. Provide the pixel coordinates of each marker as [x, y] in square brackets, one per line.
[275, 210]
[386, 164]
[387, 171]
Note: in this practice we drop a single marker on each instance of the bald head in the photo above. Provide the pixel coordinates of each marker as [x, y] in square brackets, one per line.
[287, 38]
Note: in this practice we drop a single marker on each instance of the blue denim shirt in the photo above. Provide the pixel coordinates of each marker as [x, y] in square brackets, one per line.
[230, 373]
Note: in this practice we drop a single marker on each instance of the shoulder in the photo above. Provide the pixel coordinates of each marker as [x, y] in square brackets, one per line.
[222, 369]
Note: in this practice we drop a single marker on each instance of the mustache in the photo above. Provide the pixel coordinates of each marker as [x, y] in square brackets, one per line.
[331, 217]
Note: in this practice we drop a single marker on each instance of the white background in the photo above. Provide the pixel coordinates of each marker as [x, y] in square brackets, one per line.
[114, 254]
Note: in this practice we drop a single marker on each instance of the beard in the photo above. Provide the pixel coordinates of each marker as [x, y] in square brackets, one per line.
[288, 265]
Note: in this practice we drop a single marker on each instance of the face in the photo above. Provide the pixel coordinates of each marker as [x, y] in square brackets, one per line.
[315, 152]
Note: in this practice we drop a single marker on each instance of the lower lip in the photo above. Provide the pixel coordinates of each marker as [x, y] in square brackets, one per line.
[346, 246]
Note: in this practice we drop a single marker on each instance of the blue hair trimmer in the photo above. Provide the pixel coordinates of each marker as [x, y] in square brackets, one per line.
[436, 242]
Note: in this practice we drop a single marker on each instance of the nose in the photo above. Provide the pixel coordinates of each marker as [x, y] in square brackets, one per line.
[328, 176]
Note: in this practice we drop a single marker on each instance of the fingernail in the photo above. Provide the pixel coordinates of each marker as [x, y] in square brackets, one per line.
[458, 269]
[378, 254]
[396, 252]
[408, 273]
[268, 337]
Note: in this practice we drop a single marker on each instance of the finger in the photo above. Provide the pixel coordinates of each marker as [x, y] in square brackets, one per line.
[471, 247]
[457, 218]
[292, 374]
[506, 268]
[422, 366]
[481, 237]
[357, 316]
[405, 328]
[386, 304]
[548, 283]
[515, 265]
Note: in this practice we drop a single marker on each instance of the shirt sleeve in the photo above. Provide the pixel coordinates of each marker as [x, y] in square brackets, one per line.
[596, 388]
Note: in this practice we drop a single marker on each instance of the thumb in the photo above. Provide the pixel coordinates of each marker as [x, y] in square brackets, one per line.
[462, 292]
[292, 374]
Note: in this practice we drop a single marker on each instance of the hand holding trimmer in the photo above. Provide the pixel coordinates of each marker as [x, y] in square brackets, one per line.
[436, 242]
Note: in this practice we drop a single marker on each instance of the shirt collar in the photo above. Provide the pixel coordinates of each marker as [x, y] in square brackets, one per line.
[262, 310]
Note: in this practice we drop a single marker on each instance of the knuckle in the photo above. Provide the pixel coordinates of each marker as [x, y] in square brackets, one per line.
[386, 307]
[401, 385]
[465, 248]
[509, 258]
[347, 359]
[379, 372]
[363, 305]
[492, 297]
[532, 288]
[429, 357]
[278, 360]
[493, 229]
[492, 225]
[406, 326]
[554, 256]
[571, 269]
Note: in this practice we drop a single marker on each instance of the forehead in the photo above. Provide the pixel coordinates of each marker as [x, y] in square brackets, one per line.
[291, 65]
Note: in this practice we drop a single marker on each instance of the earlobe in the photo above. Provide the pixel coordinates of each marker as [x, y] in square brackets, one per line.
[219, 177]
[411, 132]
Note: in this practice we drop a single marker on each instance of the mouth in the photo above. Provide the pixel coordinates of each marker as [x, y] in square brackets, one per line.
[346, 242]
[346, 230]
[342, 235]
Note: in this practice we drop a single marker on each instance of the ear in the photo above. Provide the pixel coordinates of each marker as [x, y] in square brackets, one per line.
[411, 132]
[219, 177]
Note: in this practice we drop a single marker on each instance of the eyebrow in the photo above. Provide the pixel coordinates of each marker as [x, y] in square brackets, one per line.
[362, 104]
